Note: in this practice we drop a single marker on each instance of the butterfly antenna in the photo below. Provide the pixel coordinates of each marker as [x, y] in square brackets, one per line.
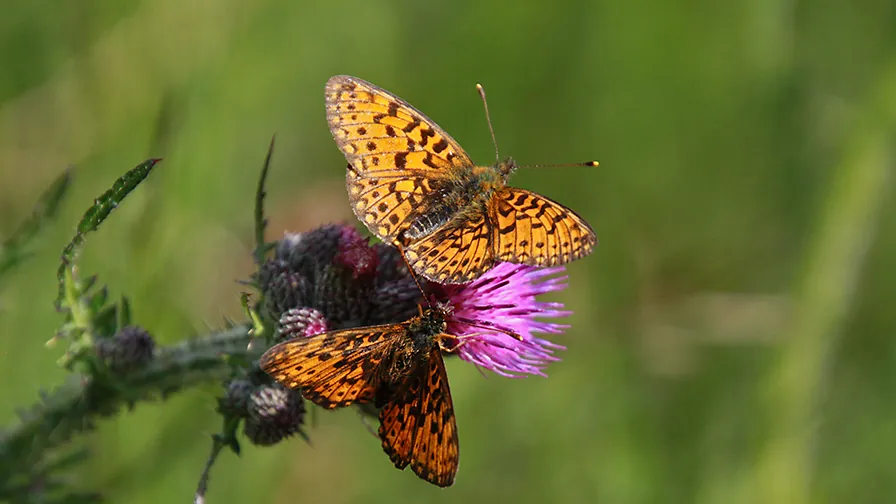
[564, 165]
[488, 119]
[489, 327]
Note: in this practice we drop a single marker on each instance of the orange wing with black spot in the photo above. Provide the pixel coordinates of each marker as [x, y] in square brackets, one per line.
[456, 253]
[337, 368]
[388, 204]
[528, 228]
[396, 154]
[418, 427]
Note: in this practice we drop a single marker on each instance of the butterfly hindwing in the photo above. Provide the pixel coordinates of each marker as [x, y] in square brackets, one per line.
[418, 426]
[455, 253]
[531, 229]
[334, 369]
[388, 203]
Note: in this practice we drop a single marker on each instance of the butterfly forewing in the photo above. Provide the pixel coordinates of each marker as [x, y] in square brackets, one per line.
[531, 229]
[418, 426]
[337, 368]
[359, 112]
[396, 154]
[388, 204]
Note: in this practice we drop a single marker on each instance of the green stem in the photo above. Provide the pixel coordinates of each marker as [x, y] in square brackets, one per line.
[823, 297]
[76, 405]
[202, 488]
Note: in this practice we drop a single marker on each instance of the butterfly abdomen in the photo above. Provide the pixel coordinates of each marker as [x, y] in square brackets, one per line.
[468, 192]
[425, 224]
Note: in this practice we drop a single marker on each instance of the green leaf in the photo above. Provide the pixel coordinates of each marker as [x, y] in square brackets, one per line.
[12, 250]
[234, 446]
[260, 222]
[105, 322]
[98, 299]
[124, 312]
[95, 215]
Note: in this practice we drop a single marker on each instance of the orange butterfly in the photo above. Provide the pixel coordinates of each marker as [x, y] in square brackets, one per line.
[413, 186]
[399, 368]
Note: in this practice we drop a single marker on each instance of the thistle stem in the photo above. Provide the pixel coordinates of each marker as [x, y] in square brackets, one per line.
[74, 406]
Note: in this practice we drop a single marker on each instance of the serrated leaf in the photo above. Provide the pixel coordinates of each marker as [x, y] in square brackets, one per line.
[105, 322]
[98, 299]
[96, 214]
[260, 221]
[124, 312]
[87, 284]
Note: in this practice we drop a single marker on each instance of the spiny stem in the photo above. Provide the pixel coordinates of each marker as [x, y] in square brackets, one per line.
[76, 405]
[219, 442]
[217, 446]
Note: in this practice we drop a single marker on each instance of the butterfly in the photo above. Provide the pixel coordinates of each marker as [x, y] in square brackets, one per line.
[413, 186]
[398, 368]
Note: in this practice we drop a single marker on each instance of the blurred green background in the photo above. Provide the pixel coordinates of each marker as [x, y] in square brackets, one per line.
[733, 332]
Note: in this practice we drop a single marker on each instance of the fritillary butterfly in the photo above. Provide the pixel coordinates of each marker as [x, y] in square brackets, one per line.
[413, 186]
[397, 367]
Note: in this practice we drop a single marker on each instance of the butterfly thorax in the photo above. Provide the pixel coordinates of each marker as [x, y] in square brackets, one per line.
[483, 181]
[411, 353]
[423, 331]
[474, 187]
[465, 195]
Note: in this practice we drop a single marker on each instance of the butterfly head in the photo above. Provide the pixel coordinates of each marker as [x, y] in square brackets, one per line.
[433, 319]
[506, 167]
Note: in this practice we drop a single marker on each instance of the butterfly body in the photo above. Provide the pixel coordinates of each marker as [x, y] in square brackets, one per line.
[399, 368]
[413, 186]
[408, 353]
[467, 195]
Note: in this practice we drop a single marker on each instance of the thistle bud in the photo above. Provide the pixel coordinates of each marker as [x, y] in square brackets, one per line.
[129, 349]
[275, 413]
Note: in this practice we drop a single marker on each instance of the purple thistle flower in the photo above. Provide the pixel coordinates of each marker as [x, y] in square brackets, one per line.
[355, 253]
[504, 298]
[330, 278]
[302, 322]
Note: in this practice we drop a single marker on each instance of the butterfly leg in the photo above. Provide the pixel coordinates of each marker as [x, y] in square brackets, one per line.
[459, 341]
[410, 270]
[489, 327]
[456, 341]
